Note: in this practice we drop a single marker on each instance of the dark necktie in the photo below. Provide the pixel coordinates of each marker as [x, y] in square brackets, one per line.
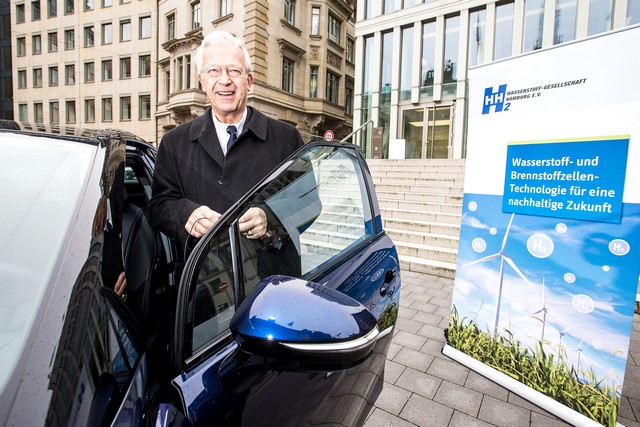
[231, 130]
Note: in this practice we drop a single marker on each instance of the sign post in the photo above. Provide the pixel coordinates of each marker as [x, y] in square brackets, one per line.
[328, 135]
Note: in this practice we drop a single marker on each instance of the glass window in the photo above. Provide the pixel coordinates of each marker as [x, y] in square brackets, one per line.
[52, 6]
[69, 7]
[89, 110]
[633, 12]
[372, 8]
[350, 50]
[35, 10]
[477, 31]
[125, 1]
[22, 79]
[69, 39]
[88, 36]
[125, 30]
[145, 27]
[125, 68]
[332, 87]
[180, 72]
[37, 78]
[107, 69]
[451, 43]
[334, 29]
[20, 18]
[187, 71]
[107, 33]
[144, 65]
[23, 112]
[390, 6]
[36, 44]
[125, 108]
[533, 23]
[225, 8]
[54, 112]
[38, 112]
[290, 11]
[145, 107]
[88, 5]
[195, 15]
[386, 63]
[348, 101]
[70, 110]
[504, 31]
[600, 13]
[171, 26]
[89, 72]
[565, 23]
[21, 44]
[53, 75]
[53, 41]
[107, 109]
[70, 74]
[107, 3]
[315, 21]
[406, 63]
[287, 74]
[313, 81]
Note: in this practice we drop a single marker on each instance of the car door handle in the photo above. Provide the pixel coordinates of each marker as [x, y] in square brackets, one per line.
[388, 280]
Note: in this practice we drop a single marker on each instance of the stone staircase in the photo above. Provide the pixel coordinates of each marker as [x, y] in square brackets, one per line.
[421, 205]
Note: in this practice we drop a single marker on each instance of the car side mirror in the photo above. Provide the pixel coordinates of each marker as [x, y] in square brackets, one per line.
[299, 325]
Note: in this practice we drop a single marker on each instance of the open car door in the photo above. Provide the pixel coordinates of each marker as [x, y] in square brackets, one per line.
[294, 330]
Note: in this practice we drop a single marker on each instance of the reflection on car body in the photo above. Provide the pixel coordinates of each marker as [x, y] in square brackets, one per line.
[293, 330]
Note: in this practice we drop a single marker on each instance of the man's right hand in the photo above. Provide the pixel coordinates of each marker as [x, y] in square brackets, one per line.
[200, 221]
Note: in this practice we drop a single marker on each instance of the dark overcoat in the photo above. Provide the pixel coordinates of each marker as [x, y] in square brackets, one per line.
[191, 169]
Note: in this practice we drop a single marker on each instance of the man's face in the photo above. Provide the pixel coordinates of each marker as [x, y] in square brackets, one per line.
[225, 81]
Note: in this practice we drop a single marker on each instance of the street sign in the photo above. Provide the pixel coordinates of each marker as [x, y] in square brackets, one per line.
[328, 135]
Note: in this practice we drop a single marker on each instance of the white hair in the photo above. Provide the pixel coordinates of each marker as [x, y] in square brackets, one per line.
[217, 38]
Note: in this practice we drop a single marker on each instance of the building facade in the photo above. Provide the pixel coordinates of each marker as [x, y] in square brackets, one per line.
[413, 59]
[6, 85]
[302, 55]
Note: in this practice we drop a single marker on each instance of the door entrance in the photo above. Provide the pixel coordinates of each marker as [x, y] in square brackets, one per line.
[426, 131]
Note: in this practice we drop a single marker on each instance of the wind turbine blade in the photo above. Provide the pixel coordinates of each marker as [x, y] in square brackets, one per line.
[487, 258]
[517, 270]
[506, 233]
[536, 312]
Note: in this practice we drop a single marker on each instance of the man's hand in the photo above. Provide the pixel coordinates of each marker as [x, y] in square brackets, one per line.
[254, 223]
[200, 221]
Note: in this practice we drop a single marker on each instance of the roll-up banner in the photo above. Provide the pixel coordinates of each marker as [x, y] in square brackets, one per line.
[549, 252]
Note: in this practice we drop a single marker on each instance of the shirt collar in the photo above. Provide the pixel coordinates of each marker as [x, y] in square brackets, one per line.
[221, 129]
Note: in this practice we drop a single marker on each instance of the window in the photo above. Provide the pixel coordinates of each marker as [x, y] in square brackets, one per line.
[145, 27]
[23, 111]
[406, 63]
[21, 45]
[37, 77]
[89, 110]
[180, 72]
[287, 74]
[145, 107]
[70, 107]
[313, 81]
[451, 43]
[290, 11]
[477, 32]
[187, 71]
[125, 30]
[20, 13]
[600, 15]
[348, 101]
[22, 79]
[315, 21]
[171, 26]
[38, 112]
[144, 65]
[107, 33]
[195, 15]
[565, 25]
[88, 36]
[54, 112]
[36, 44]
[107, 109]
[633, 12]
[35, 10]
[53, 41]
[125, 1]
[334, 29]
[350, 50]
[332, 87]
[503, 31]
[107, 3]
[125, 68]
[52, 8]
[107, 70]
[70, 74]
[125, 108]
[69, 7]
[225, 8]
[88, 5]
[533, 23]
[53, 75]
[69, 39]
[89, 72]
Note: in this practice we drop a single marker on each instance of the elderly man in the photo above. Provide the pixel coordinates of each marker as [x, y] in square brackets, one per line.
[206, 165]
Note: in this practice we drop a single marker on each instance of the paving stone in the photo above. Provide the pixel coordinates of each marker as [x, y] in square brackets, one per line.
[394, 349]
[413, 358]
[434, 348]
[449, 370]
[406, 312]
[459, 398]
[477, 382]
[408, 325]
[540, 420]
[463, 420]
[380, 418]
[518, 400]
[410, 340]
[627, 422]
[392, 399]
[501, 413]
[423, 306]
[426, 318]
[425, 412]
[430, 331]
[418, 382]
[392, 371]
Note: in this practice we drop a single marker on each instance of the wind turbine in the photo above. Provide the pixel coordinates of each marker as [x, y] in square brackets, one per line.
[503, 258]
[544, 310]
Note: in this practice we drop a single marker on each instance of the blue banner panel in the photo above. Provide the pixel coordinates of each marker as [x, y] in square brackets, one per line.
[580, 179]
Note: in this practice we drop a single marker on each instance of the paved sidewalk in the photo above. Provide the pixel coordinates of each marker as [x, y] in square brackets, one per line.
[423, 387]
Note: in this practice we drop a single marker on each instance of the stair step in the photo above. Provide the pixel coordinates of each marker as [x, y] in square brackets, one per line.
[421, 265]
[440, 217]
[434, 253]
[422, 226]
[455, 208]
[410, 236]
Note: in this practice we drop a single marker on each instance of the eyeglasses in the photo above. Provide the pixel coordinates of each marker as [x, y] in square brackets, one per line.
[216, 71]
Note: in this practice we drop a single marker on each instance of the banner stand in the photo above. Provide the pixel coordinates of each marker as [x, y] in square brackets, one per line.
[527, 393]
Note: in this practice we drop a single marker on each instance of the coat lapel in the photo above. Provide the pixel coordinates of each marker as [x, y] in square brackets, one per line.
[203, 132]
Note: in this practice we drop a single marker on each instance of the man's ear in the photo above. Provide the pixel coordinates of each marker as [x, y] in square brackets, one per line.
[249, 81]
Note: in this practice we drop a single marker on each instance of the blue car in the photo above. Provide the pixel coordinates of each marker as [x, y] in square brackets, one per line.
[230, 331]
